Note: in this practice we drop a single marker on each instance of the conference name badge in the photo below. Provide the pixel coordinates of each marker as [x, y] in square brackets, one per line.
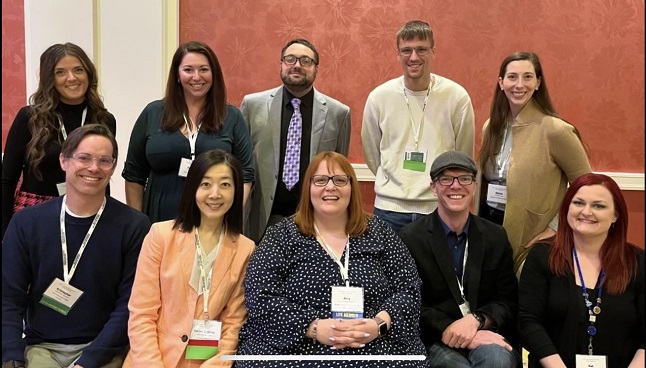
[591, 361]
[204, 340]
[414, 160]
[184, 165]
[347, 302]
[497, 193]
[60, 296]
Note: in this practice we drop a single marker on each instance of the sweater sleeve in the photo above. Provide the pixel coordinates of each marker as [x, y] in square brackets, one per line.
[464, 127]
[533, 291]
[568, 152]
[371, 135]
[14, 152]
[242, 148]
[114, 335]
[137, 167]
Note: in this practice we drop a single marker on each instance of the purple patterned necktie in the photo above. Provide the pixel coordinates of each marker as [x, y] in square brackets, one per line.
[293, 150]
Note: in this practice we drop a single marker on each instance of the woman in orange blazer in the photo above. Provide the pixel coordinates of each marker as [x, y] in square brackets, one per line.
[169, 326]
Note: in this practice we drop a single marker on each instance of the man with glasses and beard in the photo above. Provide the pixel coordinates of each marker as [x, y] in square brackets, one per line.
[289, 125]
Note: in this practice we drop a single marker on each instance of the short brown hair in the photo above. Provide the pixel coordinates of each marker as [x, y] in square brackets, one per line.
[357, 217]
[416, 29]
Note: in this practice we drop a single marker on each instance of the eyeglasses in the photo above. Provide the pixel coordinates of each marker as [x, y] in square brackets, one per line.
[337, 180]
[304, 60]
[408, 51]
[85, 159]
[448, 180]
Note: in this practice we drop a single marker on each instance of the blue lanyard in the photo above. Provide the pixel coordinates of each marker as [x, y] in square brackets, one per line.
[593, 312]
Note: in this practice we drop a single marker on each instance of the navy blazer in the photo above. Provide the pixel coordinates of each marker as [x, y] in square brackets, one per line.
[491, 286]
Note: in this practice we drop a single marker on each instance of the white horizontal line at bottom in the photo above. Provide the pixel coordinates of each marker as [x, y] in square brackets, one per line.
[323, 357]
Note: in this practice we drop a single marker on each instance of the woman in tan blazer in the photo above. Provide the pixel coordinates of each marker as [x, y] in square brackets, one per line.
[179, 260]
[528, 156]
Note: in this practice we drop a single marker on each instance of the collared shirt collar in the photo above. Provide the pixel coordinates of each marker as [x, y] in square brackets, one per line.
[307, 100]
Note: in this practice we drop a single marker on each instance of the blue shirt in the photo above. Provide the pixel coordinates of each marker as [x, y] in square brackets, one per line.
[457, 245]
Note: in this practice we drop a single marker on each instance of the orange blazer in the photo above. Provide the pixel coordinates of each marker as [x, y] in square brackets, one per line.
[163, 305]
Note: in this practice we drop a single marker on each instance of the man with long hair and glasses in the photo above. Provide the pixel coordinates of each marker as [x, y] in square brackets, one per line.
[289, 125]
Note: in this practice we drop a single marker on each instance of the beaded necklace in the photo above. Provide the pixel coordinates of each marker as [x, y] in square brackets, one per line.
[593, 312]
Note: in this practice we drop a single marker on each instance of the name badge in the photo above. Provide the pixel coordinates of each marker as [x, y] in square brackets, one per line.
[205, 336]
[465, 308]
[60, 296]
[497, 193]
[415, 160]
[591, 361]
[347, 302]
[61, 189]
[184, 165]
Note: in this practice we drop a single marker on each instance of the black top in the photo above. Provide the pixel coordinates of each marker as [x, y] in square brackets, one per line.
[554, 319]
[15, 152]
[285, 201]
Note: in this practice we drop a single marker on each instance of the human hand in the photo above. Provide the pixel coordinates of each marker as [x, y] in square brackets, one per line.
[353, 333]
[486, 337]
[547, 233]
[460, 333]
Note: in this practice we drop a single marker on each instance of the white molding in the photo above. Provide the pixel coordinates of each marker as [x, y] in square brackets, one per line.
[626, 181]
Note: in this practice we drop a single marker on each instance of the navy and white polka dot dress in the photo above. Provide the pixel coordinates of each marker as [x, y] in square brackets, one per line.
[288, 285]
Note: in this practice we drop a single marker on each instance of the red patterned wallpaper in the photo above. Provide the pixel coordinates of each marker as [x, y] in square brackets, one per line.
[13, 62]
[592, 53]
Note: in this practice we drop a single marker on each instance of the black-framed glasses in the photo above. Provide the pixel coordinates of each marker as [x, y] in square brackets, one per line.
[304, 60]
[408, 51]
[448, 180]
[85, 159]
[337, 180]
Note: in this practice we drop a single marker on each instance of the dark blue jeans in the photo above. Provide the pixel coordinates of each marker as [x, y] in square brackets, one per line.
[397, 220]
[485, 356]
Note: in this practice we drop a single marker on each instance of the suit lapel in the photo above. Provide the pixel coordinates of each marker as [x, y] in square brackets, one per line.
[186, 253]
[473, 268]
[222, 263]
[319, 113]
[438, 244]
[274, 105]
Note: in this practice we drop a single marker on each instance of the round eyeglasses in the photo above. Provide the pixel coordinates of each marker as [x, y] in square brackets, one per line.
[337, 180]
[448, 180]
[85, 159]
[304, 60]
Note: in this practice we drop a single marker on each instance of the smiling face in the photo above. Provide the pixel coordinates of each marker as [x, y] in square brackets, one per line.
[297, 78]
[83, 180]
[453, 199]
[195, 75]
[70, 80]
[519, 84]
[215, 193]
[330, 200]
[591, 211]
[416, 67]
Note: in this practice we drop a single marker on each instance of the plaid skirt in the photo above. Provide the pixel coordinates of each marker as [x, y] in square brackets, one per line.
[26, 199]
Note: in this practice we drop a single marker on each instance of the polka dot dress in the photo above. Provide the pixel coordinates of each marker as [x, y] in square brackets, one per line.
[288, 285]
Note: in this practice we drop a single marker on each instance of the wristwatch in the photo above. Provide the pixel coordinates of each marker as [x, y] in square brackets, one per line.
[13, 364]
[383, 327]
[479, 316]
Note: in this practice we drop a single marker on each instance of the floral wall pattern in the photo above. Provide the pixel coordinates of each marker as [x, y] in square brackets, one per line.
[13, 62]
[592, 53]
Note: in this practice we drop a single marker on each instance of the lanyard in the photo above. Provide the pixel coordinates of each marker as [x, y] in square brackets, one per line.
[416, 130]
[500, 162]
[206, 280]
[464, 263]
[67, 274]
[192, 138]
[342, 269]
[63, 131]
[592, 312]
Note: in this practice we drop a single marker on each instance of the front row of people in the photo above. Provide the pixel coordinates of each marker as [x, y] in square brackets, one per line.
[331, 280]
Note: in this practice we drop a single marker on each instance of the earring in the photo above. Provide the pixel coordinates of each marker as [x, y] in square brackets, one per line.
[536, 88]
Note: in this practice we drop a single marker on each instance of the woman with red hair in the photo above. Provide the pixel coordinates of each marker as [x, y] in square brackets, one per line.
[581, 295]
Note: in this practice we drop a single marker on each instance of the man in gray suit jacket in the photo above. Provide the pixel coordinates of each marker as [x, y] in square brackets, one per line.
[323, 124]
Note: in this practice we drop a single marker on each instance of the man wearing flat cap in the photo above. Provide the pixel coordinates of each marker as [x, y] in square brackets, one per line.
[469, 290]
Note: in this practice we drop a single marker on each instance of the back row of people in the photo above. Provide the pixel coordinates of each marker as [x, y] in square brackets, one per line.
[407, 122]
[331, 280]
